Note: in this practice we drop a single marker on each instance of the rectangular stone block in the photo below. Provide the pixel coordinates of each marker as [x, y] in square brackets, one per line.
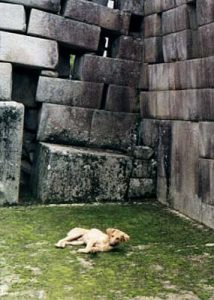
[68, 174]
[127, 47]
[162, 76]
[60, 124]
[153, 50]
[148, 133]
[152, 7]
[71, 33]
[50, 5]
[206, 179]
[11, 128]
[34, 52]
[120, 98]
[152, 26]
[178, 46]
[112, 130]
[92, 13]
[206, 37]
[178, 105]
[69, 92]
[206, 139]
[134, 6]
[12, 17]
[108, 70]
[5, 81]
[205, 11]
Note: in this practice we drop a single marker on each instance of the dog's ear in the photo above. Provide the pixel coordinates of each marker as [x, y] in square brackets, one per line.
[125, 237]
[109, 231]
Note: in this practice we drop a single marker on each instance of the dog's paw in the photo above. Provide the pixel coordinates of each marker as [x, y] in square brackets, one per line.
[60, 245]
[82, 251]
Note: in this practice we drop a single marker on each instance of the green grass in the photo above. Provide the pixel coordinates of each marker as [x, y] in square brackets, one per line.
[166, 255]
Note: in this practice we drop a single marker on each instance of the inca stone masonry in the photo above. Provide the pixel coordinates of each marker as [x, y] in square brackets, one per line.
[108, 104]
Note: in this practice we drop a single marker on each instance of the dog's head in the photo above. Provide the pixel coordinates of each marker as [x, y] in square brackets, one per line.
[116, 236]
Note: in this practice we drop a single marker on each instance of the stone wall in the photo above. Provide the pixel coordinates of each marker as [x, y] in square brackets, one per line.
[178, 106]
[81, 121]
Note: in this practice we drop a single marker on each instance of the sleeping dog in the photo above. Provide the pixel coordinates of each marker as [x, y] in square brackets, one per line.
[94, 239]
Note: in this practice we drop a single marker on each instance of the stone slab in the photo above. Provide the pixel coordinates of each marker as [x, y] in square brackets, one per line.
[92, 13]
[206, 139]
[206, 179]
[108, 70]
[12, 17]
[11, 128]
[50, 5]
[120, 98]
[152, 26]
[60, 124]
[68, 174]
[112, 130]
[5, 81]
[69, 92]
[71, 33]
[34, 52]
[162, 76]
[127, 47]
[205, 11]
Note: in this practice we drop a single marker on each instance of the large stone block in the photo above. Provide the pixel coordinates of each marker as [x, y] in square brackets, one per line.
[206, 139]
[12, 17]
[92, 13]
[127, 47]
[5, 81]
[167, 4]
[69, 92]
[50, 5]
[112, 130]
[206, 37]
[34, 52]
[153, 50]
[205, 11]
[152, 26]
[152, 7]
[72, 33]
[121, 98]
[11, 128]
[134, 6]
[60, 124]
[67, 174]
[206, 179]
[162, 76]
[108, 70]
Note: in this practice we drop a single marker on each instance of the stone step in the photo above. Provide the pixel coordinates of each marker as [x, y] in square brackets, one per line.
[70, 174]
[11, 128]
[69, 32]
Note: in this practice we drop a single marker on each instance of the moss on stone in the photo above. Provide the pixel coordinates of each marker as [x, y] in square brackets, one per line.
[166, 255]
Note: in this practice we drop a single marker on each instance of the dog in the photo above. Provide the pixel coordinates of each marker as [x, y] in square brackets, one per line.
[94, 239]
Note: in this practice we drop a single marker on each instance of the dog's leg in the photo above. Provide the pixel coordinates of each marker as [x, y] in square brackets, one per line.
[105, 248]
[75, 243]
[63, 242]
[88, 248]
[73, 234]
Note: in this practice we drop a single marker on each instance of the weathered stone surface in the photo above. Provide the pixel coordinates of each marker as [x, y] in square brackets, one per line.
[35, 52]
[206, 37]
[161, 76]
[144, 168]
[120, 98]
[62, 124]
[51, 5]
[72, 33]
[12, 17]
[178, 46]
[178, 105]
[205, 11]
[153, 50]
[92, 13]
[108, 70]
[206, 139]
[5, 81]
[112, 130]
[151, 7]
[141, 187]
[144, 81]
[167, 4]
[206, 179]
[149, 133]
[134, 6]
[127, 47]
[69, 92]
[152, 26]
[11, 128]
[68, 174]
[142, 152]
[207, 215]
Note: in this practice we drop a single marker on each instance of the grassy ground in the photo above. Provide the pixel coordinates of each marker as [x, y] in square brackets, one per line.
[166, 258]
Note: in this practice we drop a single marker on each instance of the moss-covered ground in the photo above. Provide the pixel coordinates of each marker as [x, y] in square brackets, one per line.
[167, 257]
